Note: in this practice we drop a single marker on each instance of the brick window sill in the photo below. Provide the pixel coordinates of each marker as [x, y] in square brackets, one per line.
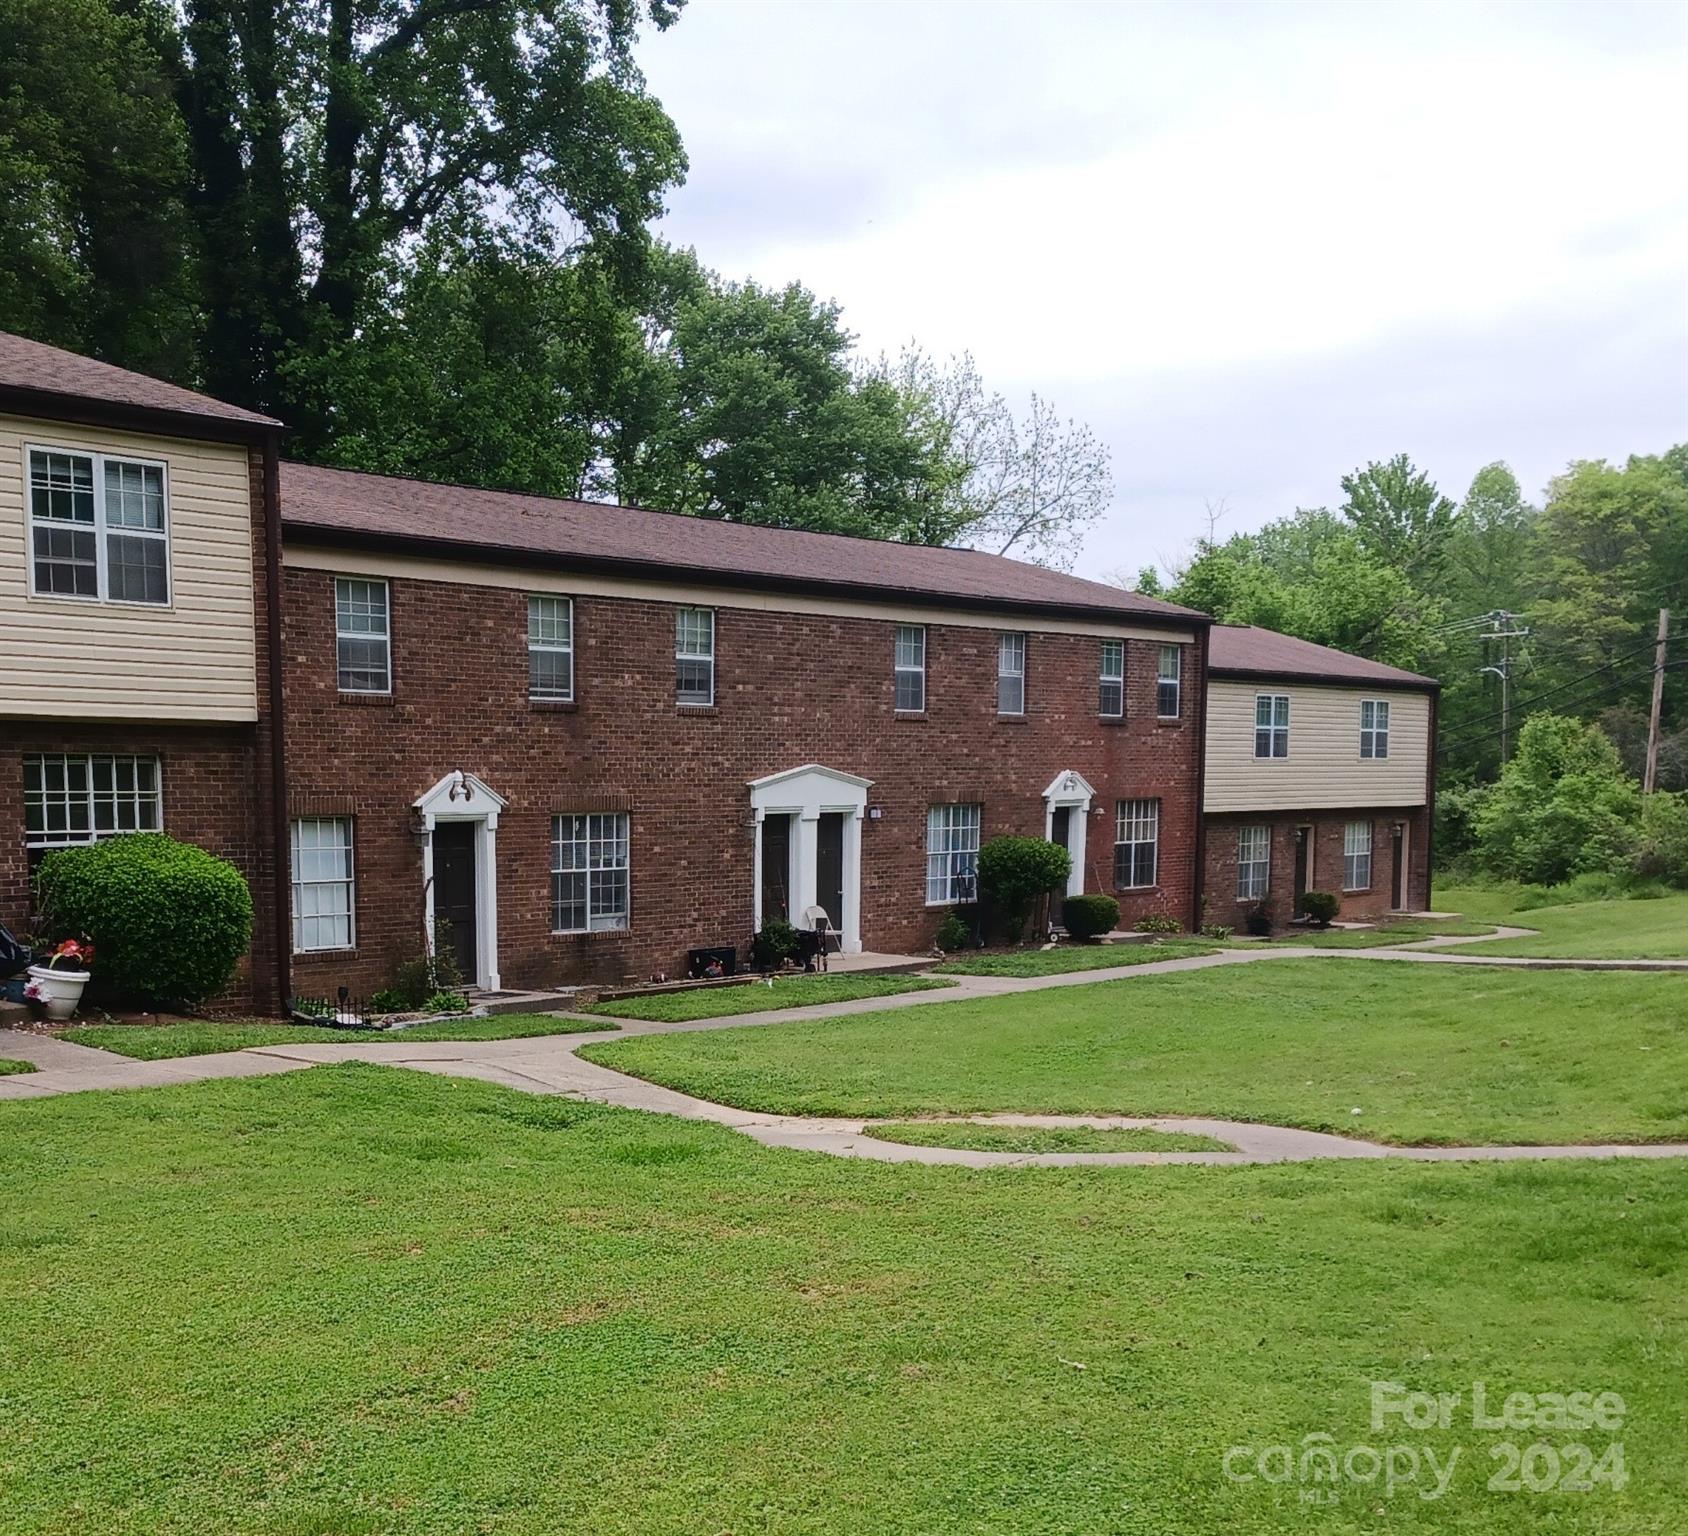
[1112, 720]
[1170, 724]
[368, 700]
[554, 706]
[1012, 720]
[590, 935]
[699, 711]
[909, 716]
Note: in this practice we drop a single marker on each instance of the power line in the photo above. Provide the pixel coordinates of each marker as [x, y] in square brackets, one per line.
[1466, 734]
[1547, 693]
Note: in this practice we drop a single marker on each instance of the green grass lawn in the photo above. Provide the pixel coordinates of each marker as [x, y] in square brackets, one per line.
[759, 997]
[1405, 932]
[1042, 1138]
[203, 1037]
[363, 1300]
[1070, 957]
[1428, 1054]
[1600, 930]
[8, 1066]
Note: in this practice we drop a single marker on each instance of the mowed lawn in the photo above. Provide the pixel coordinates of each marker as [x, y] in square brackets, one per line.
[1600, 930]
[364, 1300]
[1072, 957]
[1425, 1054]
[760, 996]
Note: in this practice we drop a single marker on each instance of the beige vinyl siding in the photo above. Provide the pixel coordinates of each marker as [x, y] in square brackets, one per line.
[193, 660]
[1324, 768]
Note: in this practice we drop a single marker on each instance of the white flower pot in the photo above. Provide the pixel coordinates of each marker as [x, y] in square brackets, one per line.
[60, 991]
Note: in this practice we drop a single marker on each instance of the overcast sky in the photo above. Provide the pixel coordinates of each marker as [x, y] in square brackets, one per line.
[1252, 245]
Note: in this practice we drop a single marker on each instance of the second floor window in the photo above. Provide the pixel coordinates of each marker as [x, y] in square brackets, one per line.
[1136, 843]
[590, 883]
[694, 655]
[71, 798]
[1167, 681]
[98, 528]
[1374, 728]
[1356, 856]
[1254, 863]
[909, 664]
[1011, 675]
[1110, 702]
[952, 853]
[1271, 725]
[362, 636]
[550, 648]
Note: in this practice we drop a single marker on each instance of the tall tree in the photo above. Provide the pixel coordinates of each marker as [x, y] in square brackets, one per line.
[1400, 517]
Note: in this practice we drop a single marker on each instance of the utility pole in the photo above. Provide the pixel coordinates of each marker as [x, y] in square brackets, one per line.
[1503, 627]
[1651, 779]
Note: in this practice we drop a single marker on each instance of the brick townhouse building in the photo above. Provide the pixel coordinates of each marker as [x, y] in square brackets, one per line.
[592, 737]
[1319, 775]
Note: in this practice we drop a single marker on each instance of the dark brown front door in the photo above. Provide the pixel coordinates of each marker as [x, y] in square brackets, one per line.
[1303, 858]
[1060, 833]
[1398, 863]
[454, 889]
[776, 869]
[829, 867]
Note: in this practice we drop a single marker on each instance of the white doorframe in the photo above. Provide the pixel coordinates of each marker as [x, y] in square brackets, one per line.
[808, 793]
[462, 796]
[1073, 791]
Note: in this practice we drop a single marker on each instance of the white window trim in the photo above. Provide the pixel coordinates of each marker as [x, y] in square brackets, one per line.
[1350, 853]
[1245, 891]
[339, 635]
[1105, 676]
[626, 926]
[1004, 672]
[898, 669]
[1120, 818]
[1274, 728]
[101, 575]
[680, 655]
[49, 842]
[350, 882]
[1377, 733]
[549, 647]
[950, 899]
[1176, 680]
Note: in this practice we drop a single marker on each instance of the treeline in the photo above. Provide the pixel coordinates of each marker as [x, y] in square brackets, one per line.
[419, 232]
[1563, 597]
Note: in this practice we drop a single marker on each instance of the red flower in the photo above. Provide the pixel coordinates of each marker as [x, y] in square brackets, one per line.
[77, 952]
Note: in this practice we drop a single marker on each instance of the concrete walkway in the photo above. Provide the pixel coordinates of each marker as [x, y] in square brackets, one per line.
[548, 1064]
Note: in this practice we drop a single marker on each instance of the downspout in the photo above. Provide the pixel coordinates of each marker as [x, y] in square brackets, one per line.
[1197, 894]
[1430, 800]
[282, 894]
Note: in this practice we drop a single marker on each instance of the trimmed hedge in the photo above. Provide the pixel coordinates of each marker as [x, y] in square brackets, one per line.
[1086, 916]
[168, 920]
[1321, 906]
[1014, 872]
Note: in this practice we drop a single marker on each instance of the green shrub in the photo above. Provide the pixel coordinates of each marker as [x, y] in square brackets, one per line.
[1321, 906]
[1158, 922]
[1661, 851]
[774, 945]
[387, 1000]
[1219, 931]
[168, 920]
[1457, 808]
[1259, 920]
[445, 1002]
[1014, 872]
[954, 933]
[1086, 916]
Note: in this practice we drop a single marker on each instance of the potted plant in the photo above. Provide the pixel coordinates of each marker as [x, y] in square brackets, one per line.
[57, 985]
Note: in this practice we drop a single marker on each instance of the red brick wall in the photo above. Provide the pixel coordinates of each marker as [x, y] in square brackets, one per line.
[215, 788]
[790, 689]
[1328, 830]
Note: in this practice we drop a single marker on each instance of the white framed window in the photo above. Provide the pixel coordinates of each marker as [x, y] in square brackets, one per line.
[952, 853]
[71, 798]
[1374, 728]
[1271, 725]
[99, 527]
[1356, 856]
[1169, 677]
[550, 648]
[1110, 702]
[323, 891]
[909, 664]
[363, 642]
[1254, 863]
[1136, 843]
[1011, 674]
[694, 655]
[591, 890]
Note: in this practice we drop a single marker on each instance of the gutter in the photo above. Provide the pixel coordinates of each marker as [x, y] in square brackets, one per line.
[50, 405]
[1327, 679]
[281, 894]
[741, 580]
[1430, 803]
[1198, 893]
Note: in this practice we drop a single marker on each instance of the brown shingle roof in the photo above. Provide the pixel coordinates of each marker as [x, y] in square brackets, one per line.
[1244, 651]
[33, 365]
[346, 507]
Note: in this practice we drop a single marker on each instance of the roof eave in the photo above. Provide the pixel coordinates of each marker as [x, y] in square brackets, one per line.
[1326, 679]
[754, 581]
[84, 410]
